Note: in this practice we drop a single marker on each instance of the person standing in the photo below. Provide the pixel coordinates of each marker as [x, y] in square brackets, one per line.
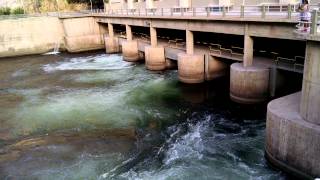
[305, 15]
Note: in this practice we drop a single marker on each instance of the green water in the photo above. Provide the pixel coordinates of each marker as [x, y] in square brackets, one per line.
[94, 116]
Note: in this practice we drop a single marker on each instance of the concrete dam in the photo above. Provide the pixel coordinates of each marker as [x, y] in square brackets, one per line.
[257, 54]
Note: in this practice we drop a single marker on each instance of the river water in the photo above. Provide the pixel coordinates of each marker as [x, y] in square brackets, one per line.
[94, 116]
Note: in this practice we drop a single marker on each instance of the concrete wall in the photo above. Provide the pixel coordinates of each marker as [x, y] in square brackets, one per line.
[82, 34]
[33, 35]
[37, 35]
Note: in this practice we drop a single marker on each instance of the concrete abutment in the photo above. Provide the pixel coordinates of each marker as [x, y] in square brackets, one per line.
[293, 123]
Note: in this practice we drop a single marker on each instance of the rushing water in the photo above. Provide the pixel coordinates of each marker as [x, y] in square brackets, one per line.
[94, 116]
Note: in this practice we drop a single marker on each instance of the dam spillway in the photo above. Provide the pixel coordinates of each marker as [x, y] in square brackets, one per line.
[258, 73]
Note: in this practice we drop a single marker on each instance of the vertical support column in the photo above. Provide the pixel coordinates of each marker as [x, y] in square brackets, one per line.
[249, 84]
[190, 42]
[130, 50]
[153, 37]
[110, 30]
[310, 98]
[129, 32]
[190, 65]
[111, 42]
[248, 51]
[154, 54]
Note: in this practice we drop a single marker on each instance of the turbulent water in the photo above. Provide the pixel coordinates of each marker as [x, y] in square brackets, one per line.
[94, 116]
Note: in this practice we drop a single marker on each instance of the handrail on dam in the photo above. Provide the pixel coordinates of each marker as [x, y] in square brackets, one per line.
[264, 11]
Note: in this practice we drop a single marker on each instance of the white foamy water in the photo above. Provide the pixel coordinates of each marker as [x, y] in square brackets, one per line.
[101, 62]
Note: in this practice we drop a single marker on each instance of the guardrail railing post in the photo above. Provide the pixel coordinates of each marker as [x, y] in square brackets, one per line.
[208, 11]
[242, 11]
[289, 11]
[139, 12]
[171, 11]
[223, 11]
[314, 22]
[146, 11]
[263, 14]
[161, 11]
[181, 10]
[193, 11]
[154, 12]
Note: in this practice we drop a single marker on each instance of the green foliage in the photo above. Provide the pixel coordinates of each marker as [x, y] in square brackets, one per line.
[4, 11]
[18, 10]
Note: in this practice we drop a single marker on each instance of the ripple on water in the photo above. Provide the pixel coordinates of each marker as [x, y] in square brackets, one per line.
[100, 62]
[193, 151]
[198, 144]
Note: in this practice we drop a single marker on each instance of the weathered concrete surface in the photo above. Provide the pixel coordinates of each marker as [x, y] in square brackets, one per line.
[37, 35]
[249, 85]
[292, 143]
[82, 34]
[112, 45]
[214, 68]
[269, 28]
[130, 51]
[248, 51]
[310, 102]
[191, 68]
[155, 59]
[84, 43]
[34, 35]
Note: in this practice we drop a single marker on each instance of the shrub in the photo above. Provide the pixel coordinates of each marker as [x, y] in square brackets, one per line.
[5, 11]
[18, 10]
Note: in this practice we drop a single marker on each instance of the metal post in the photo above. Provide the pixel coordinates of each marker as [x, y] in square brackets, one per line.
[154, 12]
[208, 11]
[193, 11]
[289, 11]
[223, 11]
[161, 11]
[263, 14]
[181, 9]
[314, 22]
[91, 5]
[242, 11]
[146, 11]
[171, 11]
[139, 11]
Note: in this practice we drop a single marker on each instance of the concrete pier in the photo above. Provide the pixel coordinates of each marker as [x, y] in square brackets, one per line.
[190, 65]
[130, 51]
[249, 83]
[191, 68]
[154, 54]
[293, 124]
[111, 42]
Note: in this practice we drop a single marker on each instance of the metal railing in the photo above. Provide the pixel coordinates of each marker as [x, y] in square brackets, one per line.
[261, 11]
